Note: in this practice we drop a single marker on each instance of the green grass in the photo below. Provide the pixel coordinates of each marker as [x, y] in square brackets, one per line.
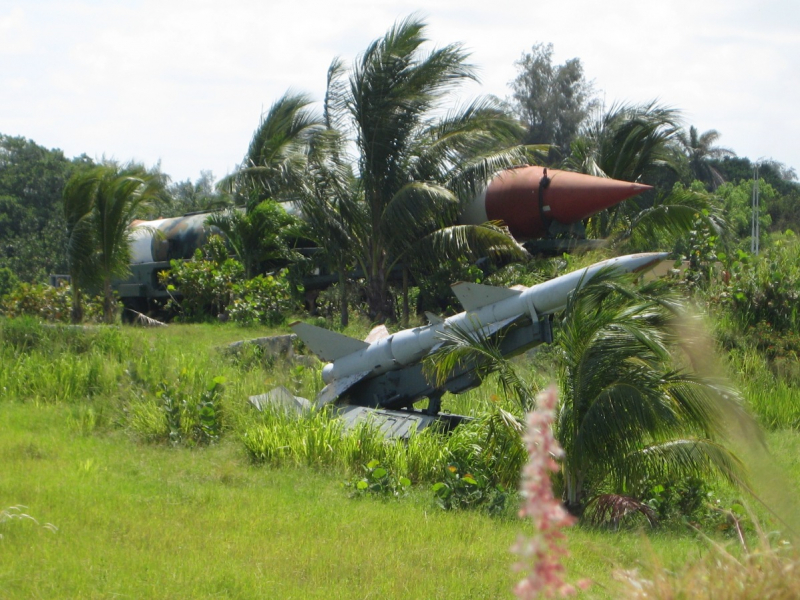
[78, 413]
[151, 521]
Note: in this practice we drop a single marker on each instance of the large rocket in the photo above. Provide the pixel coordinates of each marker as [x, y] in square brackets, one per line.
[387, 372]
[536, 202]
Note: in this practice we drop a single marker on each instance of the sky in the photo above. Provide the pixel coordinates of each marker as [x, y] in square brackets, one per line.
[185, 82]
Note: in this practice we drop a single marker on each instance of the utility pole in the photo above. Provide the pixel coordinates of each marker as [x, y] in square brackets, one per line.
[754, 227]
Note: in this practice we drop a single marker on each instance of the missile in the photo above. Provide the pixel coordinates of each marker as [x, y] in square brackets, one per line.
[535, 201]
[387, 372]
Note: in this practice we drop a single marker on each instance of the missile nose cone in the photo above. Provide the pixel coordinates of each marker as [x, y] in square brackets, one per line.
[529, 199]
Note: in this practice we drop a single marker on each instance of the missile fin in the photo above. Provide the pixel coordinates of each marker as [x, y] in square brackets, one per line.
[433, 319]
[326, 344]
[332, 391]
[473, 296]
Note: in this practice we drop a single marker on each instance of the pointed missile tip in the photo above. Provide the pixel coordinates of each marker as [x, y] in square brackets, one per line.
[641, 187]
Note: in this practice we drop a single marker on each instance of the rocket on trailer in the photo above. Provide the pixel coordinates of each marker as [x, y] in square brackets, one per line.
[387, 373]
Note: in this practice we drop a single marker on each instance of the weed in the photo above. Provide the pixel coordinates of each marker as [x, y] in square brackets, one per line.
[378, 481]
[461, 490]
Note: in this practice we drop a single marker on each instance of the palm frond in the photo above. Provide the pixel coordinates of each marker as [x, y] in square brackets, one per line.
[462, 348]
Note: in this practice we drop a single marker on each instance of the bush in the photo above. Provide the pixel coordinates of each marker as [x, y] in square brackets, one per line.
[211, 284]
[8, 281]
[37, 300]
[263, 300]
[47, 303]
[205, 284]
[766, 289]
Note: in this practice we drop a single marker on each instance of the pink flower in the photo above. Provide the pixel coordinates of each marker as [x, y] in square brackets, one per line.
[541, 554]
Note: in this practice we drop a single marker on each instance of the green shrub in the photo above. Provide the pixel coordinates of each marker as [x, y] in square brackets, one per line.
[204, 284]
[462, 489]
[46, 303]
[264, 300]
[766, 289]
[173, 413]
[37, 300]
[380, 482]
[8, 281]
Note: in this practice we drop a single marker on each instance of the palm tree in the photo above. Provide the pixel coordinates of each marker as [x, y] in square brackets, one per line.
[414, 169]
[100, 204]
[700, 149]
[626, 413]
[275, 158]
[630, 143]
[329, 196]
[79, 201]
[259, 238]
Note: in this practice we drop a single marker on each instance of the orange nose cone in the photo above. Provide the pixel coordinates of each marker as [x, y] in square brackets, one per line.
[528, 203]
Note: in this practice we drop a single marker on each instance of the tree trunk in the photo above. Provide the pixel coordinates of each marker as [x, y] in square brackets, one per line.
[574, 492]
[109, 306]
[345, 317]
[405, 296]
[76, 313]
[379, 304]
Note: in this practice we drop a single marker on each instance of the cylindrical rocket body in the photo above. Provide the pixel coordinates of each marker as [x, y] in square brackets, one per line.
[529, 199]
[168, 239]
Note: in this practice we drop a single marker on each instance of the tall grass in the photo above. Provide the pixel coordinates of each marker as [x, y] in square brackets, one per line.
[151, 384]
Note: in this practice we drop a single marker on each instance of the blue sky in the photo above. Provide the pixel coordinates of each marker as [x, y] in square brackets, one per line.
[184, 82]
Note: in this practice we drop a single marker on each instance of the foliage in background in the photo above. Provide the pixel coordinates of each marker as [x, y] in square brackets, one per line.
[32, 234]
[213, 284]
[552, 100]
[261, 237]
[765, 290]
[46, 302]
[8, 281]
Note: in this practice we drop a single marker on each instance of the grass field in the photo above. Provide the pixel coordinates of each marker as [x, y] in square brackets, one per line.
[143, 521]
[138, 519]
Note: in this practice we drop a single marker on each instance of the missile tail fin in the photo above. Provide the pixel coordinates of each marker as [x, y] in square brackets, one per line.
[433, 319]
[326, 344]
[332, 391]
[473, 296]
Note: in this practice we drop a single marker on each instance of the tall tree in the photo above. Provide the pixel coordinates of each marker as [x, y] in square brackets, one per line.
[99, 205]
[32, 229]
[330, 195]
[553, 100]
[414, 168]
[700, 151]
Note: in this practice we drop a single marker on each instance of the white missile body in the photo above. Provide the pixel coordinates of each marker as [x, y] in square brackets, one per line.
[487, 308]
